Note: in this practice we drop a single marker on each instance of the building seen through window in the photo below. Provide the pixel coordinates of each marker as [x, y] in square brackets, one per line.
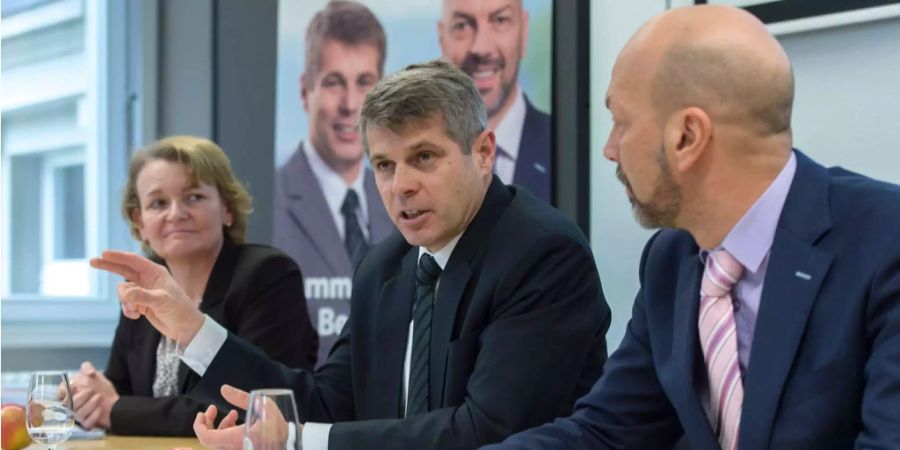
[48, 147]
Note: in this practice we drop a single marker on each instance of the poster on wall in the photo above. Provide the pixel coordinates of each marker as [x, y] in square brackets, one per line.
[327, 210]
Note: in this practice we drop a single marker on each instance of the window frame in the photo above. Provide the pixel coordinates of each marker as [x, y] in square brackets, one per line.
[117, 67]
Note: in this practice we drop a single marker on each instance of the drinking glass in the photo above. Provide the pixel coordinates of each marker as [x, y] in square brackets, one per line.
[271, 421]
[49, 415]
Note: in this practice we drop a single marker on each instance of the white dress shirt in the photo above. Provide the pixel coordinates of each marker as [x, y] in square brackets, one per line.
[335, 189]
[201, 351]
[509, 135]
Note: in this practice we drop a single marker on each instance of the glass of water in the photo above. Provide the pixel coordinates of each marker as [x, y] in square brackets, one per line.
[271, 421]
[49, 414]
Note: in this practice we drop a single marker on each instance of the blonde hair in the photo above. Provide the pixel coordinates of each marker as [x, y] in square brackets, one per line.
[205, 162]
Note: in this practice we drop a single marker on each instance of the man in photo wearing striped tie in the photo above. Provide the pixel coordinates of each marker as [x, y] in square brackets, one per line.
[769, 308]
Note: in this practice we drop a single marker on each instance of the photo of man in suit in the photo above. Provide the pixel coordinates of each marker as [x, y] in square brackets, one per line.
[327, 211]
[486, 39]
[768, 314]
[483, 316]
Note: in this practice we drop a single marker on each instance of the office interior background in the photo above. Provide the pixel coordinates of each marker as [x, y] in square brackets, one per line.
[84, 82]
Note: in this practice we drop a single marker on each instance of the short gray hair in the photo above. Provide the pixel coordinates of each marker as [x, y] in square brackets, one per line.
[423, 92]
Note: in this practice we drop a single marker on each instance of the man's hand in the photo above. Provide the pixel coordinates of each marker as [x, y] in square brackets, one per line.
[93, 396]
[230, 436]
[150, 291]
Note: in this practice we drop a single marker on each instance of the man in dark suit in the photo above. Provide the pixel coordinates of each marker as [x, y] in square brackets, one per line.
[768, 316]
[486, 39]
[484, 316]
[327, 212]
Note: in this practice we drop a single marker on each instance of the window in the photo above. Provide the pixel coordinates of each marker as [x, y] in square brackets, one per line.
[64, 151]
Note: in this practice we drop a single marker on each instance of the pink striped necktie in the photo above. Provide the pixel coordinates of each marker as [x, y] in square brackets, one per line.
[718, 336]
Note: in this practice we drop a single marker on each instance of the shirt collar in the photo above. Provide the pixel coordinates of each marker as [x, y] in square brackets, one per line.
[443, 255]
[333, 186]
[751, 238]
[509, 130]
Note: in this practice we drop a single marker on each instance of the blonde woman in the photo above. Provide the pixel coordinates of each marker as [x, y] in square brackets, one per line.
[189, 211]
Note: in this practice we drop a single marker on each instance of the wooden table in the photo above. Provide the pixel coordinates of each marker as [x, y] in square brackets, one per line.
[128, 443]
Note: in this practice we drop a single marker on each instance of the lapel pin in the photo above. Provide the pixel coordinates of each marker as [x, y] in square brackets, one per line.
[540, 168]
[803, 275]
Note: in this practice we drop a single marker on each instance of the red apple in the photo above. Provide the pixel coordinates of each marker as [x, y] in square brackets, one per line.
[13, 434]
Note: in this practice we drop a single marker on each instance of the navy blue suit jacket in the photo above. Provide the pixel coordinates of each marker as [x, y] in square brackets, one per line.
[518, 334]
[824, 369]
[533, 164]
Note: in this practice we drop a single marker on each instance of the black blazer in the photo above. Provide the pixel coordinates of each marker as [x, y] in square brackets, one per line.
[518, 334]
[255, 292]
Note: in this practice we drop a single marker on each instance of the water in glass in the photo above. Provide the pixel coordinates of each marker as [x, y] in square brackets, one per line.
[49, 413]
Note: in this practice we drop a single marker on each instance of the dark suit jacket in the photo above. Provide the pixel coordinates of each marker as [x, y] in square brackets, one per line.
[824, 370]
[255, 292]
[534, 163]
[518, 334]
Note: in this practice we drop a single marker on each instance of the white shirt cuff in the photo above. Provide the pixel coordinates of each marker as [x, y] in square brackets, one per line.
[199, 353]
[315, 436]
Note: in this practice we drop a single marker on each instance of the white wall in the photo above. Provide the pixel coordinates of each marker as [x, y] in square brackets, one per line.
[847, 105]
[615, 237]
[846, 112]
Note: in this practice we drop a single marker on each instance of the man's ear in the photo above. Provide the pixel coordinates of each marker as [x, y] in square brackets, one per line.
[687, 134]
[304, 92]
[484, 150]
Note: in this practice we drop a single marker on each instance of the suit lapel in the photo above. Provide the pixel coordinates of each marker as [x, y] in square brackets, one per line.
[453, 282]
[686, 350]
[795, 272]
[307, 207]
[532, 162]
[145, 340]
[184, 373]
[452, 285]
[392, 329]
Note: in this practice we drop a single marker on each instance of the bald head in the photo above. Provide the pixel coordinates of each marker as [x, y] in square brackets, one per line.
[720, 59]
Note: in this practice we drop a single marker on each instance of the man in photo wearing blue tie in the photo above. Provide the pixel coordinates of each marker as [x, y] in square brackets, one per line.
[769, 308]
[483, 316]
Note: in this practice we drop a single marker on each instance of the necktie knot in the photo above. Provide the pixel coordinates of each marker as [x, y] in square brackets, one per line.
[351, 203]
[722, 272]
[428, 272]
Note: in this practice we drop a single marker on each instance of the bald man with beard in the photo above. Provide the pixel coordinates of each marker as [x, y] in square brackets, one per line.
[769, 308]
[486, 39]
